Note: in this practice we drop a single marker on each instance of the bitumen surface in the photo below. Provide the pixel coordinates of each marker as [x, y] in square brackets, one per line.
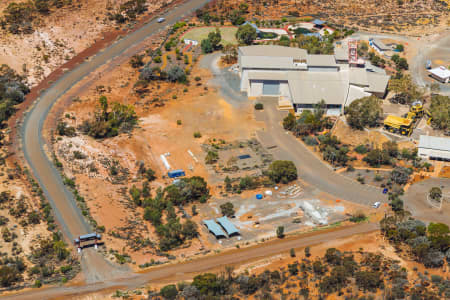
[311, 169]
[67, 214]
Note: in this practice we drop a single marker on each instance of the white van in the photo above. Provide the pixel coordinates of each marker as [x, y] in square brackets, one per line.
[160, 20]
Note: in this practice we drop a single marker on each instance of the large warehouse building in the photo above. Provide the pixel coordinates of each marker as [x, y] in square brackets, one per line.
[303, 79]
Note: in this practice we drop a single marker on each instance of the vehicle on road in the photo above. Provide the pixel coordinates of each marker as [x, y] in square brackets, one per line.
[376, 205]
[428, 65]
[160, 20]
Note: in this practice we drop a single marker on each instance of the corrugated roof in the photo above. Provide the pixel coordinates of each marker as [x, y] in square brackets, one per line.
[273, 51]
[311, 87]
[227, 225]
[381, 45]
[358, 76]
[267, 62]
[377, 82]
[434, 142]
[354, 93]
[214, 228]
[441, 72]
[341, 53]
[267, 75]
[321, 60]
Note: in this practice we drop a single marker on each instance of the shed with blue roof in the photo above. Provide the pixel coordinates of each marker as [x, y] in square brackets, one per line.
[228, 226]
[214, 228]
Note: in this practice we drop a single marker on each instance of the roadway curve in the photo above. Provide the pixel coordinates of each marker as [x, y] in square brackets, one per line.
[67, 214]
[311, 168]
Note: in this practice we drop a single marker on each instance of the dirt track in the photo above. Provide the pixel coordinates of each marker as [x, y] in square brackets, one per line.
[186, 270]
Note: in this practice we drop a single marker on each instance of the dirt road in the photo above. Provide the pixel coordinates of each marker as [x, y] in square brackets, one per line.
[186, 270]
[62, 201]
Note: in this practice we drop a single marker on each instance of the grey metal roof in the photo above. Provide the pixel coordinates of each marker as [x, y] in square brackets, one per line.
[227, 225]
[267, 75]
[341, 53]
[214, 228]
[267, 62]
[381, 45]
[377, 82]
[320, 60]
[358, 76]
[273, 51]
[434, 142]
[311, 87]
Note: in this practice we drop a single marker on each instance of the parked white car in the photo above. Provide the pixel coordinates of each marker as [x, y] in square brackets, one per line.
[376, 204]
[160, 20]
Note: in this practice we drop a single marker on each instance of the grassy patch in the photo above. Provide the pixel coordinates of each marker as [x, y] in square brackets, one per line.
[199, 34]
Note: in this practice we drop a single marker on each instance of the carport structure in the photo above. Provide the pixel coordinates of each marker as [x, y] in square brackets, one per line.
[228, 226]
[214, 228]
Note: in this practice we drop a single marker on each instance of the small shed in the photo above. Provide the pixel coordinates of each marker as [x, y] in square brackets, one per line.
[318, 23]
[214, 228]
[227, 225]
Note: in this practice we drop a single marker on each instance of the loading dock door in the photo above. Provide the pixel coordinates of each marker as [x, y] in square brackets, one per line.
[271, 88]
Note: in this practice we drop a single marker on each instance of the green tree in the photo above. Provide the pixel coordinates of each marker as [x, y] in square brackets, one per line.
[227, 209]
[177, 74]
[215, 38]
[169, 292]
[404, 88]
[206, 283]
[364, 112]
[440, 112]
[206, 46]
[435, 193]
[280, 232]
[439, 235]
[246, 34]
[282, 171]
[289, 122]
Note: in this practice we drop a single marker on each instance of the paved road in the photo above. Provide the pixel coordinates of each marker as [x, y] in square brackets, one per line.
[72, 223]
[416, 200]
[186, 270]
[311, 168]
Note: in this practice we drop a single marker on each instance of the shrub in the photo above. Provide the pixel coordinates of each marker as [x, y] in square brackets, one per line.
[282, 171]
[227, 209]
[364, 112]
[361, 149]
[310, 140]
[169, 292]
[280, 232]
[259, 106]
[176, 74]
[197, 135]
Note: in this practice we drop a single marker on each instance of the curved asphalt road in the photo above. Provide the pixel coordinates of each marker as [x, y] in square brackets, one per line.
[72, 223]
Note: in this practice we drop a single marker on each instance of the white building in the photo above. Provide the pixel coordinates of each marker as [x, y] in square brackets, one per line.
[292, 74]
[441, 74]
[434, 148]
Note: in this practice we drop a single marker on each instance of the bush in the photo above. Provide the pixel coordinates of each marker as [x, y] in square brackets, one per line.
[227, 209]
[197, 135]
[177, 74]
[282, 171]
[400, 175]
[364, 112]
[169, 292]
[361, 149]
[246, 34]
[259, 106]
[280, 232]
[359, 216]
[310, 140]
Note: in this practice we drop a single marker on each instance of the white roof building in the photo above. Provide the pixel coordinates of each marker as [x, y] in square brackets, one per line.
[434, 148]
[305, 79]
[440, 73]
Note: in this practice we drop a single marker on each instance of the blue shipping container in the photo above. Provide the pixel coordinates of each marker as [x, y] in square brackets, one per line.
[176, 173]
